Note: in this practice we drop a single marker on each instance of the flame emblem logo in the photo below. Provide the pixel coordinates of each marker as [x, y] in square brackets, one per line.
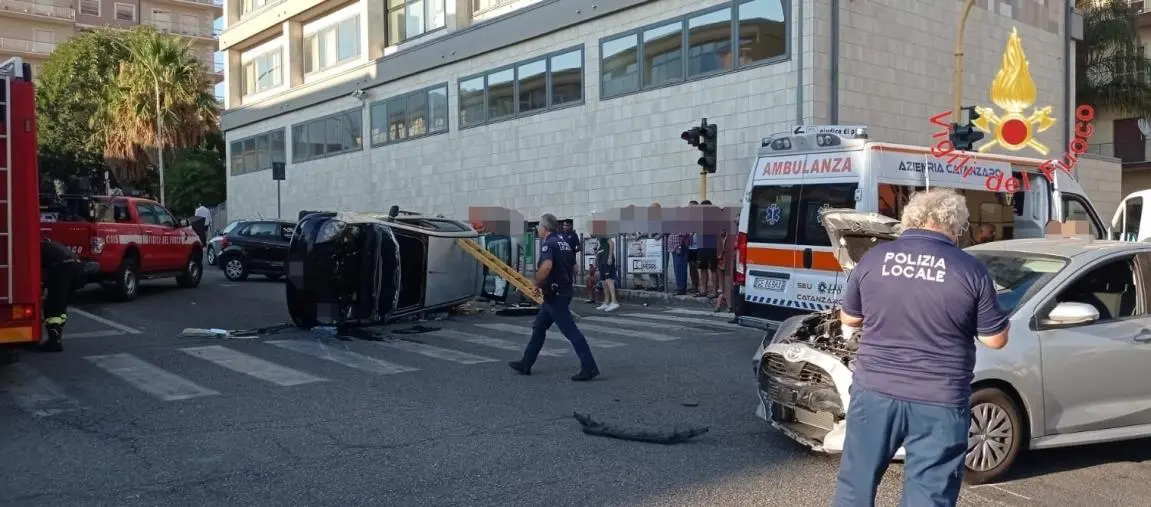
[1013, 91]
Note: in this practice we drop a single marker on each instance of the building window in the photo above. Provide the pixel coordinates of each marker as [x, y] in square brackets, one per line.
[408, 19]
[250, 6]
[329, 136]
[264, 72]
[257, 153]
[410, 116]
[90, 7]
[332, 45]
[527, 87]
[698, 45]
[125, 12]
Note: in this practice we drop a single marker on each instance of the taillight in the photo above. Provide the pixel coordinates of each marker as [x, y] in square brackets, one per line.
[97, 246]
[740, 259]
[22, 312]
[223, 243]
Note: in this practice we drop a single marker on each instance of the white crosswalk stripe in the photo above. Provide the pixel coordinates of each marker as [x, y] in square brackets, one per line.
[150, 378]
[341, 356]
[34, 393]
[253, 366]
[688, 320]
[624, 320]
[703, 313]
[424, 349]
[495, 343]
[646, 335]
[553, 334]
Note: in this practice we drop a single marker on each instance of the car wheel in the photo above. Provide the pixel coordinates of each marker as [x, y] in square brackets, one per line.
[126, 286]
[995, 437]
[211, 256]
[235, 269]
[193, 272]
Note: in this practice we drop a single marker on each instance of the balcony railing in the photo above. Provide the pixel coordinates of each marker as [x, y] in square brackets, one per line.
[1131, 152]
[218, 67]
[214, 3]
[9, 44]
[205, 30]
[44, 8]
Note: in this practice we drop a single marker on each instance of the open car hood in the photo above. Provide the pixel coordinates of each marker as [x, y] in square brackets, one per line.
[853, 233]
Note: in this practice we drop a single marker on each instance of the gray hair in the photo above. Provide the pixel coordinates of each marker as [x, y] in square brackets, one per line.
[943, 210]
[549, 222]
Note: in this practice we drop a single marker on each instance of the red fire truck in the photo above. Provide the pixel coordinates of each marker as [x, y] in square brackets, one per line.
[20, 304]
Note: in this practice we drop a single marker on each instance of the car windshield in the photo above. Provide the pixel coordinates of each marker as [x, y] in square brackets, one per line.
[230, 227]
[1019, 276]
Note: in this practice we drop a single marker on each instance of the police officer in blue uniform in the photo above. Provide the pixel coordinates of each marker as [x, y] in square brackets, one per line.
[554, 277]
[571, 236]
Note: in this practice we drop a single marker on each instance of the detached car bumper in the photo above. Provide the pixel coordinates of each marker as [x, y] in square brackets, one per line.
[811, 391]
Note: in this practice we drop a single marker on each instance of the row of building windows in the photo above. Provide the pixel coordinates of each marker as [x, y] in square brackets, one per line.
[530, 86]
[328, 136]
[257, 153]
[264, 72]
[332, 45]
[410, 116]
[697, 45]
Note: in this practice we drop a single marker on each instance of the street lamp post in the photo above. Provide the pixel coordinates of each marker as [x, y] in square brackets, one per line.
[957, 90]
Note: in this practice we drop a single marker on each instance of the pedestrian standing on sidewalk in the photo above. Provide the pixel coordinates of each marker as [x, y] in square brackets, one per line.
[678, 246]
[723, 272]
[554, 279]
[608, 273]
[693, 253]
[705, 261]
[912, 380]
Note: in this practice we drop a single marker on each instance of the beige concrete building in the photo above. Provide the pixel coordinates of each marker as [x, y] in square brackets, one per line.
[31, 29]
[1120, 136]
[571, 106]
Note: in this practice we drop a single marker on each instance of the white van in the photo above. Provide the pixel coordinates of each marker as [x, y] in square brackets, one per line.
[1128, 220]
[784, 264]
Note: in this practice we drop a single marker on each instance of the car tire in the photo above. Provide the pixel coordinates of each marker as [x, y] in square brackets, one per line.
[211, 256]
[996, 435]
[126, 286]
[235, 269]
[193, 272]
[274, 276]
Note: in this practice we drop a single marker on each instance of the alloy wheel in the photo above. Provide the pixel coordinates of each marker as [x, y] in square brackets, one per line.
[234, 268]
[129, 282]
[211, 255]
[193, 270]
[989, 438]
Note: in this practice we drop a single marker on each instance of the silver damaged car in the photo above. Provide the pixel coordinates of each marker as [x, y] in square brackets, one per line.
[1075, 370]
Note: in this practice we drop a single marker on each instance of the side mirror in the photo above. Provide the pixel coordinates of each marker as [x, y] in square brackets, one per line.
[1069, 314]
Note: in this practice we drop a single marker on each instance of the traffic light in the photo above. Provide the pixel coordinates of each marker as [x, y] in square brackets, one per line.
[709, 140]
[691, 136]
[964, 137]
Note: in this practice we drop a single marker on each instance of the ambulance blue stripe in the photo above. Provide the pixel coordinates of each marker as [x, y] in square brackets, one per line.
[787, 303]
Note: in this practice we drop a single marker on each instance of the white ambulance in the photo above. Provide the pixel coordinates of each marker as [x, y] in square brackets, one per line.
[1127, 224]
[784, 263]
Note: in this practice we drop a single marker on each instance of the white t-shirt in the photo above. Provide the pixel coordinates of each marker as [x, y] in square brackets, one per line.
[206, 214]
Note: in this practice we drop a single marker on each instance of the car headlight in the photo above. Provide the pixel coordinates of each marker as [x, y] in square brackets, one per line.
[330, 230]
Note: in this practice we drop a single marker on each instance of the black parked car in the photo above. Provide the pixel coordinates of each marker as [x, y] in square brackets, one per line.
[214, 246]
[256, 247]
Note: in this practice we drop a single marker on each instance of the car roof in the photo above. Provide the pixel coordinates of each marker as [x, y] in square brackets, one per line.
[1062, 247]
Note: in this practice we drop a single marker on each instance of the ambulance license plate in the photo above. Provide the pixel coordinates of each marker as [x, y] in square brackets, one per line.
[775, 284]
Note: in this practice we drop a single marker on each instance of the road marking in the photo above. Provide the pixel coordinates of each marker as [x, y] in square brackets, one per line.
[1003, 489]
[496, 343]
[95, 334]
[647, 335]
[34, 393]
[521, 330]
[102, 320]
[336, 355]
[689, 320]
[424, 349]
[253, 366]
[150, 378]
[705, 313]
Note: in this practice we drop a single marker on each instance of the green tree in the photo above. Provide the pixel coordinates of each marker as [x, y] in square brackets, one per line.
[1112, 72]
[161, 71]
[196, 175]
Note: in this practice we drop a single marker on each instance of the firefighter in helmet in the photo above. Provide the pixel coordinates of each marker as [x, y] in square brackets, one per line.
[61, 269]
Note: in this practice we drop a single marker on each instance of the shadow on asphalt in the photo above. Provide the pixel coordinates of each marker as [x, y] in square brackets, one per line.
[1039, 463]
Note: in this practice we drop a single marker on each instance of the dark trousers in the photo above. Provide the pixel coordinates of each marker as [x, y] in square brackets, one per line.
[934, 438]
[679, 264]
[60, 280]
[557, 310]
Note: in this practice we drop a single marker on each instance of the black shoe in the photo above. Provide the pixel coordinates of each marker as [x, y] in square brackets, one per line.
[585, 375]
[520, 368]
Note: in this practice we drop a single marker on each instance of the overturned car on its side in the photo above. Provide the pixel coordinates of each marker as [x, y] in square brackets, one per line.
[349, 268]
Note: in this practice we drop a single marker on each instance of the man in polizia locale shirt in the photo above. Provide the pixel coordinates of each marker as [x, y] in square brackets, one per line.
[921, 302]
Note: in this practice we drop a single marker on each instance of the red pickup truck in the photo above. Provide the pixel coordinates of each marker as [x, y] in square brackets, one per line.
[123, 240]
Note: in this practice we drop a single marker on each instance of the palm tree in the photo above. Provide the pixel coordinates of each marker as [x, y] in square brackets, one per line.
[163, 65]
[1111, 70]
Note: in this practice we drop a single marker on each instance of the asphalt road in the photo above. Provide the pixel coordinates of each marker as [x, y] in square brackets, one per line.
[133, 414]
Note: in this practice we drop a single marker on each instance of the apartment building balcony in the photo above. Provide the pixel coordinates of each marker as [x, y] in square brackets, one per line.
[202, 30]
[216, 71]
[25, 47]
[47, 10]
[217, 4]
[1133, 154]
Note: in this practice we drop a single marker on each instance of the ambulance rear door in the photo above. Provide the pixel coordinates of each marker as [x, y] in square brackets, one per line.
[790, 266]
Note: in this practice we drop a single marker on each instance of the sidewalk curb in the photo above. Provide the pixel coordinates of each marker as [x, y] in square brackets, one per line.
[664, 298]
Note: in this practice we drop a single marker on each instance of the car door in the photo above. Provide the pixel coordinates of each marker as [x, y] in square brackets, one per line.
[258, 240]
[277, 255]
[1069, 202]
[172, 242]
[153, 257]
[1096, 375]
